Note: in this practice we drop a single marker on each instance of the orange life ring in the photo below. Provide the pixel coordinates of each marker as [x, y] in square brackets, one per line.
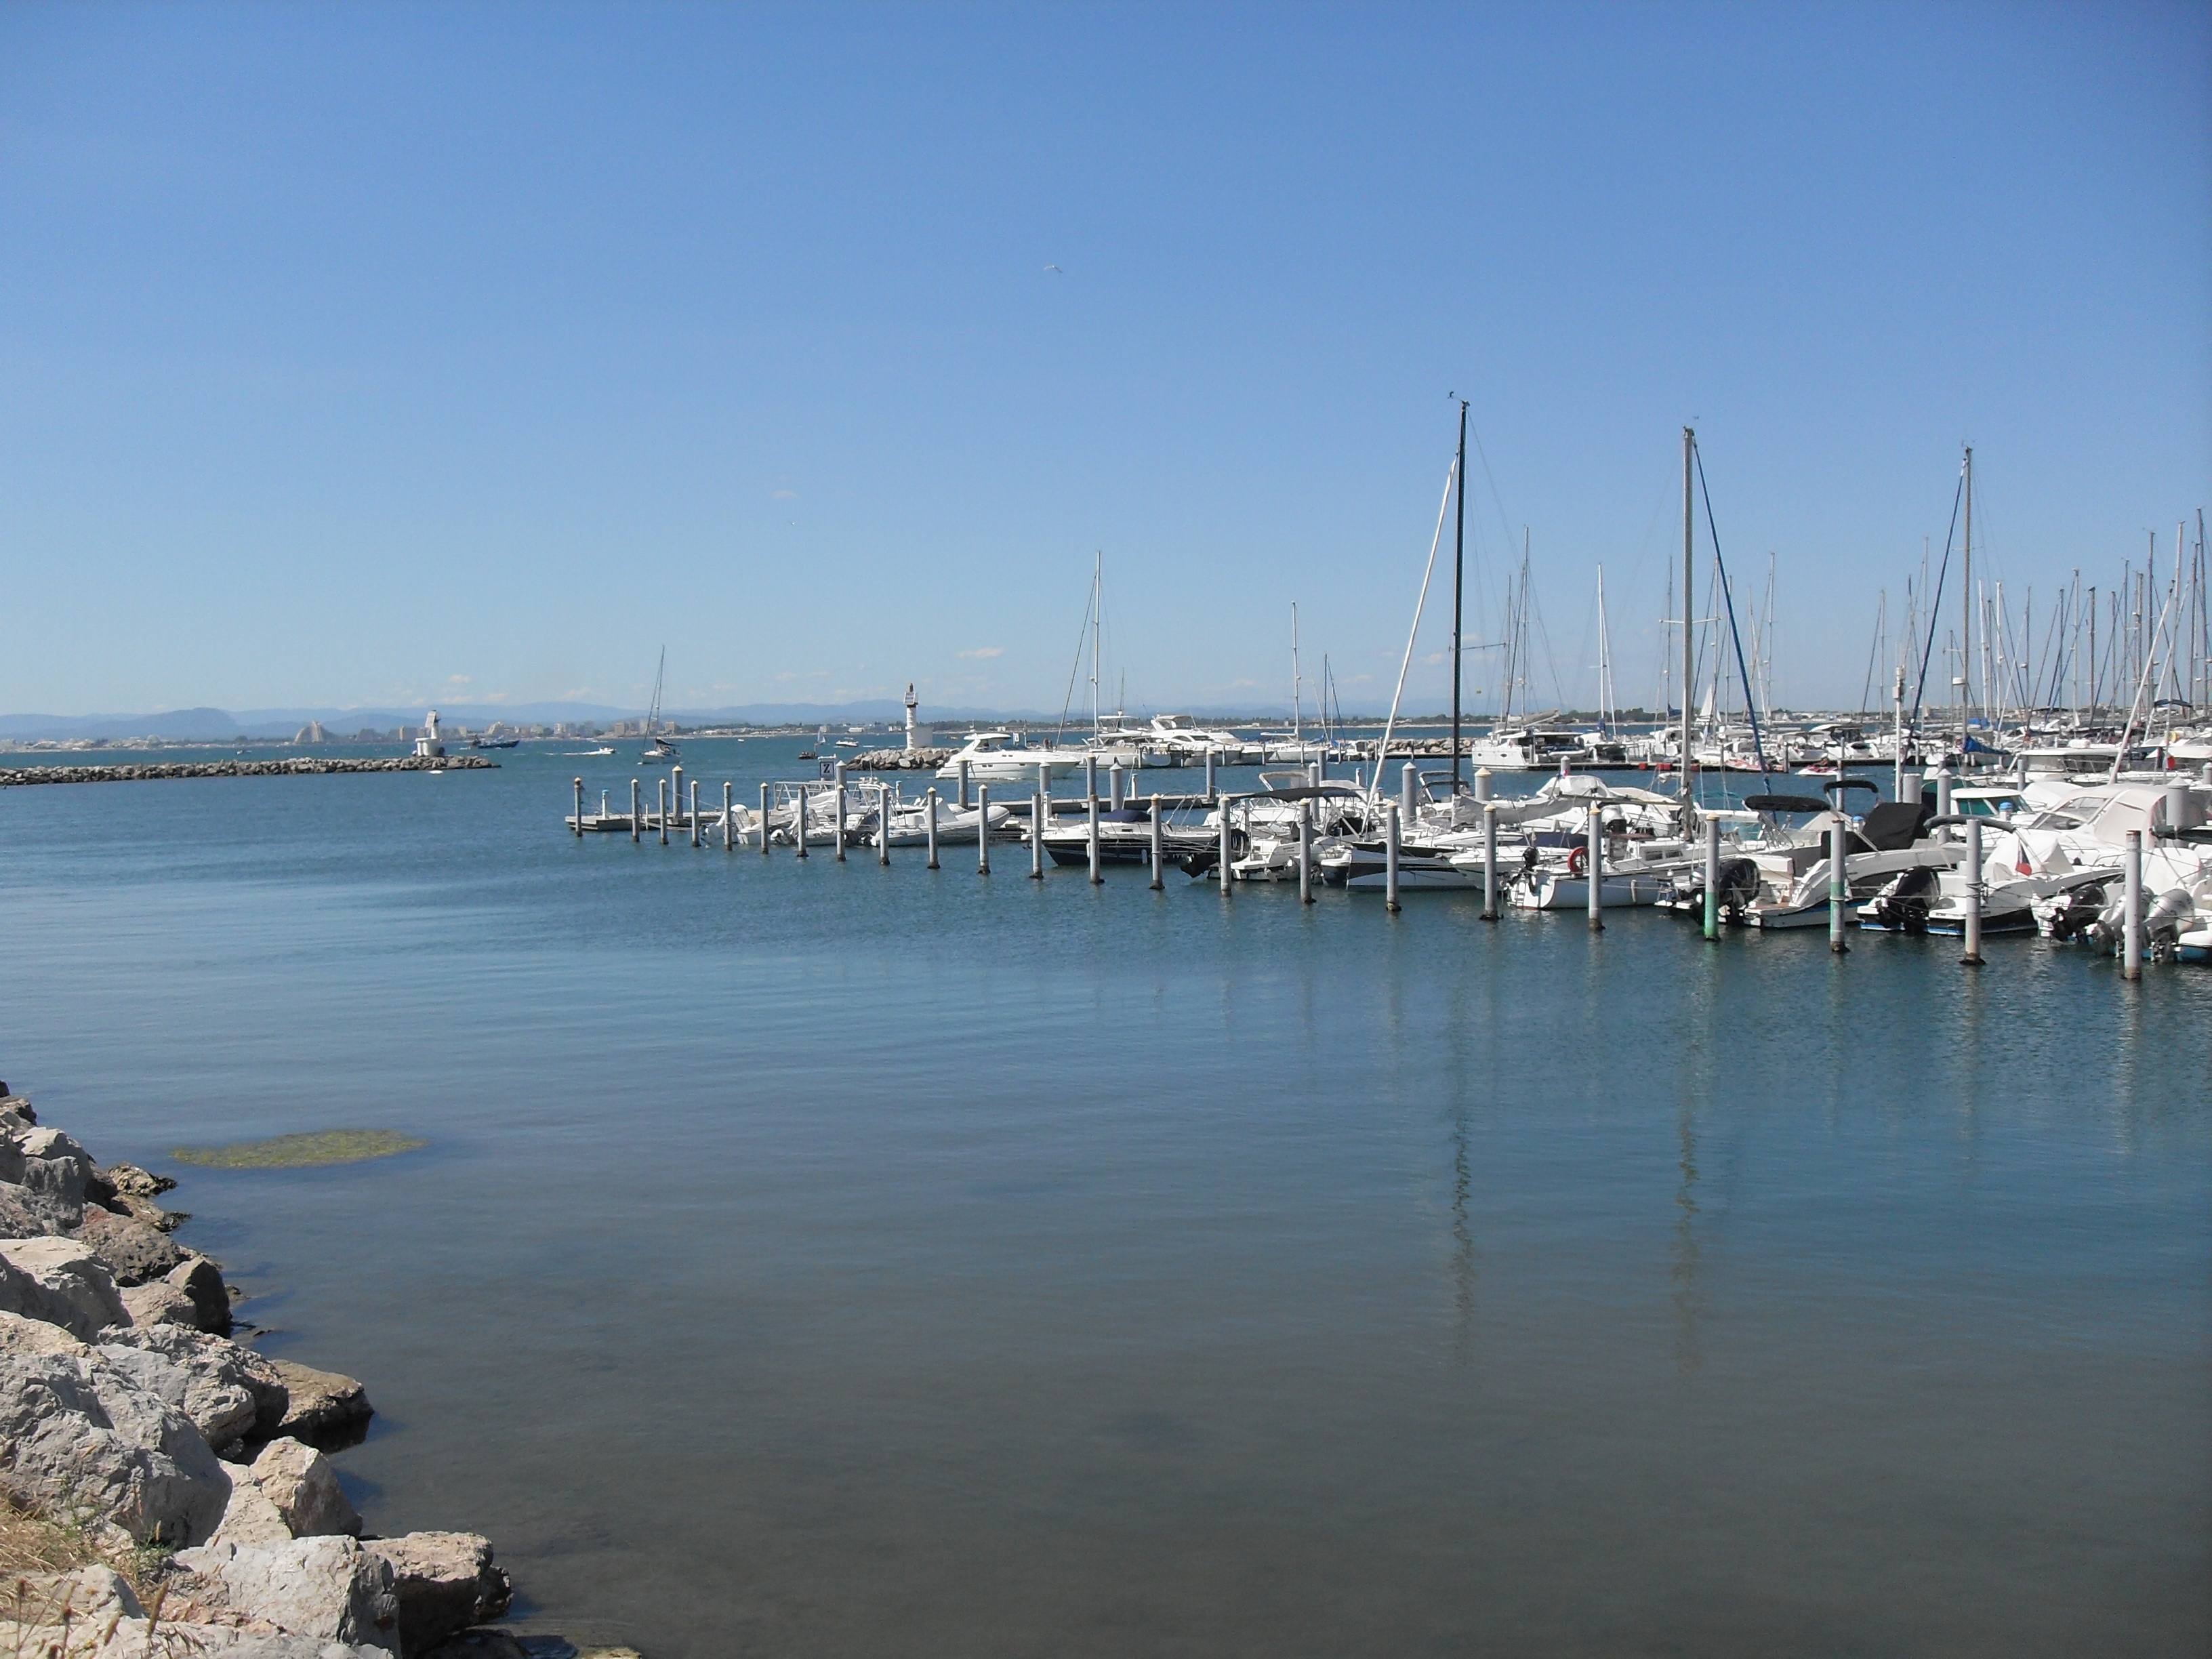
[1578, 860]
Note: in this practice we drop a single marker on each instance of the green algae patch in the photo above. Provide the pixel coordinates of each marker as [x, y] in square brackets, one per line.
[308, 1151]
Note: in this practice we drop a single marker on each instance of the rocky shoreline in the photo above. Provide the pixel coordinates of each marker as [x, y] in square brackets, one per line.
[185, 1475]
[304, 765]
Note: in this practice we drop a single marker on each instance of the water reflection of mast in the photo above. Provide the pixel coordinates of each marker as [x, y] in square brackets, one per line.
[1688, 1301]
[1462, 1247]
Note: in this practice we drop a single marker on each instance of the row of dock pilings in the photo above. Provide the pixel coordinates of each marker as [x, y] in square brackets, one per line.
[670, 798]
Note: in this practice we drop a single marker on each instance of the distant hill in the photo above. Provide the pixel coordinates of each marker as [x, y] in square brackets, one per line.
[216, 725]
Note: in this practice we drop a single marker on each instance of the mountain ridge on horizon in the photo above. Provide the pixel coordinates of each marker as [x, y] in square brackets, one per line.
[212, 724]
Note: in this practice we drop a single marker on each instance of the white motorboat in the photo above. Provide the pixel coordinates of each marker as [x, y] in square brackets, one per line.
[1002, 757]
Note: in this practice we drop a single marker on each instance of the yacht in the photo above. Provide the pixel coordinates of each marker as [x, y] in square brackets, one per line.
[1002, 757]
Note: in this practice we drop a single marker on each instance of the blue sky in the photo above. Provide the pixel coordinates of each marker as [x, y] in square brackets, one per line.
[378, 355]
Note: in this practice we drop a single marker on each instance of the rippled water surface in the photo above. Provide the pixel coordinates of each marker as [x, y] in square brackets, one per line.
[830, 1260]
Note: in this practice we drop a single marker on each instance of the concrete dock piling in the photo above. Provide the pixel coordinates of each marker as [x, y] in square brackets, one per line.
[1712, 877]
[2132, 902]
[1390, 858]
[1839, 878]
[1305, 852]
[1489, 849]
[1593, 871]
[1973, 872]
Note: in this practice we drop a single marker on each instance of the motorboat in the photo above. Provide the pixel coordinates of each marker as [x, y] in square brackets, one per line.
[1002, 757]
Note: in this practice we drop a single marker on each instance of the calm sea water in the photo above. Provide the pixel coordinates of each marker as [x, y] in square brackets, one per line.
[823, 1260]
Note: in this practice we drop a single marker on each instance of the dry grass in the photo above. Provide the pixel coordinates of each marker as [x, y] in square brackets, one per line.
[33, 1542]
[308, 1151]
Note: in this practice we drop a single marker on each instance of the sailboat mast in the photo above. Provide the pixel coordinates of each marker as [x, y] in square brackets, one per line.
[1458, 578]
[1604, 662]
[1966, 621]
[1098, 596]
[1689, 589]
[1297, 680]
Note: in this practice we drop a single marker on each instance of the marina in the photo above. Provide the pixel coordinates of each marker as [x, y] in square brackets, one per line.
[1175, 1221]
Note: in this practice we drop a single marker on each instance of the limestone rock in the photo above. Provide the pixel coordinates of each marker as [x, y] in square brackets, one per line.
[43, 1175]
[250, 1520]
[329, 1588]
[60, 1281]
[300, 1481]
[87, 1592]
[201, 1280]
[21, 1335]
[216, 1363]
[324, 1404]
[82, 1434]
[446, 1582]
[132, 1182]
[135, 1253]
[159, 1303]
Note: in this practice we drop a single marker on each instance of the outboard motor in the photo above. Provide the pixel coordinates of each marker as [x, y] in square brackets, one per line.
[1739, 886]
[2162, 926]
[1902, 905]
[2077, 913]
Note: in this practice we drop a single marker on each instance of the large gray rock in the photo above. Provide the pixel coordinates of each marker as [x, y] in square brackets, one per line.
[49, 1169]
[21, 1335]
[201, 1280]
[60, 1281]
[445, 1582]
[134, 1252]
[220, 1369]
[300, 1481]
[329, 1589]
[159, 1303]
[81, 1434]
[131, 1182]
[324, 1406]
[249, 1520]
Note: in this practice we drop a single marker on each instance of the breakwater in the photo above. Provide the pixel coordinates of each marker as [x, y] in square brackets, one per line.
[305, 766]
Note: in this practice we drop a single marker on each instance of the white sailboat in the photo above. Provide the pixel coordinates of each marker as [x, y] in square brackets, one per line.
[659, 748]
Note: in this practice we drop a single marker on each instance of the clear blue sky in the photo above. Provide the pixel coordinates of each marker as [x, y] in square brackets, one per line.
[385, 354]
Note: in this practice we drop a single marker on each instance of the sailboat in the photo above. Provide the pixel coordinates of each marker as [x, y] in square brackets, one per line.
[660, 749]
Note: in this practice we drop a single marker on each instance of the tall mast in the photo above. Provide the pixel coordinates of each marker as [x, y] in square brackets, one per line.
[1689, 587]
[1458, 578]
[1604, 662]
[1297, 680]
[1097, 604]
[1966, 621]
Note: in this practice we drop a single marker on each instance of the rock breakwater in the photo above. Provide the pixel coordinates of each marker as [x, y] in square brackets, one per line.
[305, 766]
[898, 760]
[175, 1485]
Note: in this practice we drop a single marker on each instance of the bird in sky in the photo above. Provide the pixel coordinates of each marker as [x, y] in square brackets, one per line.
[1055, 268]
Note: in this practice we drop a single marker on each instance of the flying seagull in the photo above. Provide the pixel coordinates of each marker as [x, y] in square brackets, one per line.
[1055, 268]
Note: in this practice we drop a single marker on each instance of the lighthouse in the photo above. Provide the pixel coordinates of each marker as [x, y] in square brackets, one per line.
[913, 734]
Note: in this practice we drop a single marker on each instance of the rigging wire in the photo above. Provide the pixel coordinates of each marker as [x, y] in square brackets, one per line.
[1751, 702]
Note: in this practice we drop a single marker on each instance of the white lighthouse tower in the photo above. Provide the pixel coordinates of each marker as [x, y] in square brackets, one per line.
[913, 732]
